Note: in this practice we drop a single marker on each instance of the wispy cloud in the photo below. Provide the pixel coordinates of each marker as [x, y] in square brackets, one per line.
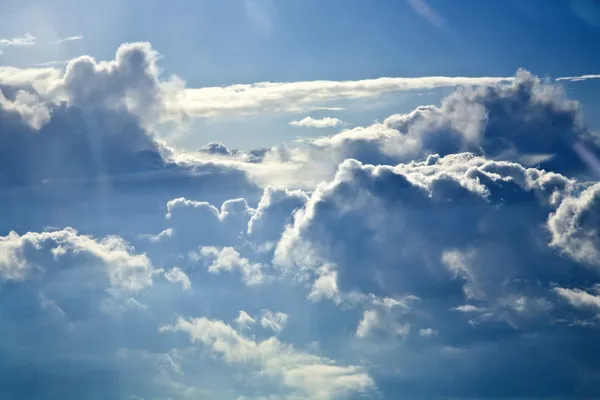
[422, 8]
[299, 96]
[68, 39]
[53, 63]
[579, 78]
[26, 40]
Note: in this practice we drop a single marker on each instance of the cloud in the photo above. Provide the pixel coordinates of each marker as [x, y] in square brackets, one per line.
[244, 320]
[427, 12]
[579, 298]
[578, 78]
[274, 321]
[300, 96]
[176, 275]
[228, 259]
[368, 323]
[392, 204]
[275, 210]
[527, 121]
[310, 122]
[26, 40]
[124, 269]
[427, 332]
[120, 82]
[51, 63]
[68, 39]
[305, 374]
[575, 225]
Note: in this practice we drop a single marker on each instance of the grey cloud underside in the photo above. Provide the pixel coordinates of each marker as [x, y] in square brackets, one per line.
[449, 251]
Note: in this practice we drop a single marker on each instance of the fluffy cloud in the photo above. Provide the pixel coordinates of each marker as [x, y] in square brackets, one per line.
[275, 210]
[228, 259]
[357, 221]
[425, 266]
[305, 374]
[310, 122]
[24, 255]
[575, 226]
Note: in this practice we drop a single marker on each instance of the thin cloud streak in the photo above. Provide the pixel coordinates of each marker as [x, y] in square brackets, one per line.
[579, 78]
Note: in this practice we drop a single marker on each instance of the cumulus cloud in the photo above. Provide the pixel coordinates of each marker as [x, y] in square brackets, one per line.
[394, 207]
[124, 269]
[310, 122]
[527, 121]
[575, 226]
[228, 259]
[416, 228]
[305, 374]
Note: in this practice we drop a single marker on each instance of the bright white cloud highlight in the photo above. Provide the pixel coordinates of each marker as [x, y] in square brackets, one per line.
[310, 122]
[579, 78]
[228, 259]
[125, 269]
[306, 374]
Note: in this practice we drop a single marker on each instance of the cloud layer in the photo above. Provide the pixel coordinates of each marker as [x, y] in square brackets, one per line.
[394, 260]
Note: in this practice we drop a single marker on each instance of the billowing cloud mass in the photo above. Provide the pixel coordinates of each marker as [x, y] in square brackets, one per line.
[393, 260]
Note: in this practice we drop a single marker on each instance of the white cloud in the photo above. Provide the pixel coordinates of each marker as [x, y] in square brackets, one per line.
[316, 377]
[125, 269]
[369, 322]
[26, 40]
[300, 96]
[228, 259]
[310, 122]
[468, 308]
[176, 275]
[579, 298]
[579, 78]
[575, 224]
[273, 320]
[68, 39]
[244, 319]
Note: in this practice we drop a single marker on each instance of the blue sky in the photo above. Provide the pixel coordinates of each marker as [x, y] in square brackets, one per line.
[284, 200]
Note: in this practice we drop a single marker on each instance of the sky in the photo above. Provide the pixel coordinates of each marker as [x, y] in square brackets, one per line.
[283, 200]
